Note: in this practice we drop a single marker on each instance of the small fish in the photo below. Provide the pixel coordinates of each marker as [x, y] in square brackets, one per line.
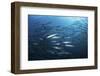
[52, 35]
[66, 42]
[52, 52]
[69, 45]
[55, 37]
[35, 43]
[56, 47]
[68, 37]
[53, 41]
[63, 53]
[41, 38]
[57, 44]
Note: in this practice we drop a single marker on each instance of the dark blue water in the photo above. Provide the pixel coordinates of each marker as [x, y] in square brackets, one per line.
[57, 37]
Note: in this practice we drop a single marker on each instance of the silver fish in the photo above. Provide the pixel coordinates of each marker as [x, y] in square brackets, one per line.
[57, 43]
[69, 45]
[63, 53]
[35, 43]
[54, 41]
[55, 37]
[52, 52]
[57, 48]
[66, 42]
[41, 38]
[52, 35]
[68, 37]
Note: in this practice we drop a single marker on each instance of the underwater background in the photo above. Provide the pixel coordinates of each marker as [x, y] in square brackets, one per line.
[57, 37]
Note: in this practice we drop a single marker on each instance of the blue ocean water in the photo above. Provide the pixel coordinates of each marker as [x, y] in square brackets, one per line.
[57, 37]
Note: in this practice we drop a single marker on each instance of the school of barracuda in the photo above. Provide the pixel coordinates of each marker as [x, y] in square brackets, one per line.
[57, 39]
